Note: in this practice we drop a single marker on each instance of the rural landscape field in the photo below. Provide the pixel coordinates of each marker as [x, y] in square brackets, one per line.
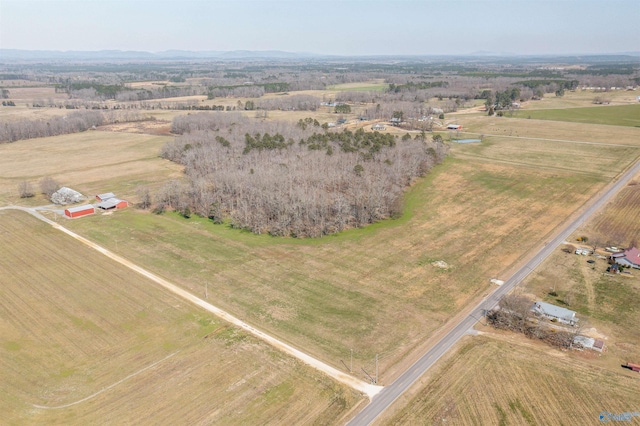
[478, 186]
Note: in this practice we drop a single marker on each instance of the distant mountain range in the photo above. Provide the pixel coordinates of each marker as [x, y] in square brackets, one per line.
[30, 55]
[13, 55]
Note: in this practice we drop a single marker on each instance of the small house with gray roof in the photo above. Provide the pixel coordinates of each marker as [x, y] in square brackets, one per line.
[555, 313]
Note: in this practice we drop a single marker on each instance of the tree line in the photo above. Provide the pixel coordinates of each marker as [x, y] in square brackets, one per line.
[77, 121]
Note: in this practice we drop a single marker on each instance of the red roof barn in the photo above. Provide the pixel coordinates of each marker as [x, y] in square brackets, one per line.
[79, 211]
[113, 203]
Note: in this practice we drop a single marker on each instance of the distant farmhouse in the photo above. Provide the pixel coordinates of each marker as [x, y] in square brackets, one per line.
[629, 258]
[378, 127]
[454, 127]
[555, 313]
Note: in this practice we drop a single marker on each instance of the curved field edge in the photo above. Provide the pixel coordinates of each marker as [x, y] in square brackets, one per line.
[374, 290]
[79, 329]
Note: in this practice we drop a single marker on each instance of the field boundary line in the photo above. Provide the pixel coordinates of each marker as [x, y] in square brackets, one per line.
[44, 407]
[553, 140]
[368, 389]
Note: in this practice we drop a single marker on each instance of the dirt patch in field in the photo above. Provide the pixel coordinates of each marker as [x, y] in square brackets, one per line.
[154, 127]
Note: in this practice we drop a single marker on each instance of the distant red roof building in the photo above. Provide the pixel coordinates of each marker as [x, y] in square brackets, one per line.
[629, 257]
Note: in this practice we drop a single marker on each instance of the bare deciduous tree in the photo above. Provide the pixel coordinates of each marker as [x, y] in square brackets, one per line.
[144, 196]
[293, 179]
[48, 186]
[25, 189]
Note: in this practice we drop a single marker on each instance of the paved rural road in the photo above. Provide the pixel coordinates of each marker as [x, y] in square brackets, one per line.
[390, 393]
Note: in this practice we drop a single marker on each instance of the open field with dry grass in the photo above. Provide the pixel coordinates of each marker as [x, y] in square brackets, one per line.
[554, 130]
[505, 378]
[583, 160]
[581, 98]
[85, 341]
[22, 112]
[383, 295]
[91, 162]
[619, 225]
[511, 381]
[373, 290]
[22, 95]
[617, 115]
[364, 86]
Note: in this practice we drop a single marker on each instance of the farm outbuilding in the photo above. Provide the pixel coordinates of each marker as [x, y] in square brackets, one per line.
[377, 127]
[105, 196]
[454, 127]
[66, 195]
[79, 211]
[585, 342]
[113, 203]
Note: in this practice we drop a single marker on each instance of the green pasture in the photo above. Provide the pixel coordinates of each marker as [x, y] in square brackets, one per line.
[616, 115]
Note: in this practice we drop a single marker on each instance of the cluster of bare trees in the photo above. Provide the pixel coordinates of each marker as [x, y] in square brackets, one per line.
[301, 182]
[48, 186]
[290, 103]
[515, 314]
[77, 121]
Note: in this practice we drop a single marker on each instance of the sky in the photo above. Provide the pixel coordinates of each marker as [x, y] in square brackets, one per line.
[338, 27]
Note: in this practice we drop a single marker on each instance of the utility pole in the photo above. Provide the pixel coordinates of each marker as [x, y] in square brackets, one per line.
[376, 369]
[206, 290]
[351, 367]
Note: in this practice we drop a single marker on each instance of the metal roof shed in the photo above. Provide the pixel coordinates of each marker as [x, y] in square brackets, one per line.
[105, 196]
[113, 203]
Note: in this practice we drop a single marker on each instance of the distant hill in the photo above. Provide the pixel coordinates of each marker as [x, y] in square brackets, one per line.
[108, 55]
[18, 55]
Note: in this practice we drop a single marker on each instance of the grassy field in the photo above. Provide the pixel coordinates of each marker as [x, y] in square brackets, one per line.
[585, 161]
[365, 86]
[553, 130]
[515, 382]
[581, 98]
[619, 225]
[504, 378]
[373, 290]
[84, 341]
[617, 115]
[91, 162]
